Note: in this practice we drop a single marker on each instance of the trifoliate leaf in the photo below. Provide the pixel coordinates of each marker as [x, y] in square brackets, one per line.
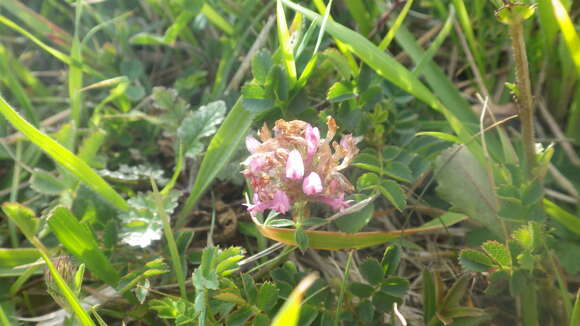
[372, 271]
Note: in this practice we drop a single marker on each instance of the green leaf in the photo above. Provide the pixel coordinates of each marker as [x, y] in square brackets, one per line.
[12, 259]
[514, 13]
[301, 238]
[455, 293]
[267, 296]
[532, 193]
[261, 64]
[394, 193]
[368, 162]
[281, 223]
[498, 252]
[79, 240]
[219, 152]
[395, 286]
[569, 33]
[464, 183]
[63, 156]
[45, 183]
[141, 224]
[475, 261]
[367, 181]
[391, 259]
[199, 124]
[23, 217]
[361, 290]
[147, 39]
[340, 91]
[354, 222]
[239, 317]
[372, 271]
[398, 171]
[391, 152]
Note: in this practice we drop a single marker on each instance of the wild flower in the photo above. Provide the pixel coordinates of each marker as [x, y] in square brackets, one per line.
[296, 165]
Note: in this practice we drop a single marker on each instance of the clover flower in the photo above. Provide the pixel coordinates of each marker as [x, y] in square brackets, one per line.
[297, 165]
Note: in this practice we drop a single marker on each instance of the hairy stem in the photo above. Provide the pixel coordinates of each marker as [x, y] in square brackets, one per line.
[524, 94]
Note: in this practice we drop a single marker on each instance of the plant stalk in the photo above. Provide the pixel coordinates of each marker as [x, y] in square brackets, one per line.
[524, 94]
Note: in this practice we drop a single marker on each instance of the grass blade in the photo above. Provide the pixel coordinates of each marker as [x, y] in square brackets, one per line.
[338, 240]
[395, 27]
[79, 240]
[290, 311]
[285, 44]
[63, 156]
[569, 33]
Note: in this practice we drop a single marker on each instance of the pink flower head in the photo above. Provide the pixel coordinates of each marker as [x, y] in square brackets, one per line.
[294, 165]
[312, 136]
[312, 184]
[252, 144]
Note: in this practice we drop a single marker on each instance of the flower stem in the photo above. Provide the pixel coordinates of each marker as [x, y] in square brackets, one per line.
[524, 94]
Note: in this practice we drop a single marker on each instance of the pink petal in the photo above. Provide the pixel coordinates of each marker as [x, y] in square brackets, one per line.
[280, 203]
[256, 164]
[336, 203]
[252, 144]
[312, 184]
[312, 136]
[294, 165]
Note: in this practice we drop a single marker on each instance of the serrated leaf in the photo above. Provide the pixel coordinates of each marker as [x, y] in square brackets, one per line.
[464, 183]
[475, 261]
[135, 174]
[532, 193]
[394, 193]
[372, 271]
[199, 124]
[524, 237]
[261, 64]
[395, 286]
[267, 296]
[498, 252]
[230, 297]
[368, 162]
[361, 290]
[398, 171]
[45, 183]
[141, 224]
[354, 222]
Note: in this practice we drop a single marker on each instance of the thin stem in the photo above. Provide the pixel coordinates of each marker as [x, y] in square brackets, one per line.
[173, 251]
[524, 94]
[343, 287]
[14, 194]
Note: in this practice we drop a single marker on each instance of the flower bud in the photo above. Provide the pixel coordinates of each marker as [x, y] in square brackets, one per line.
[312, 184]
[294, 165]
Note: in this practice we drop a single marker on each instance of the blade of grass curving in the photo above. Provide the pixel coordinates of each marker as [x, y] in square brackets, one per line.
[569, 33]
[337, 240]
[79, 241]
[25, 217]
[434, 47]
[290, 311]
[4, 321]
[575, 318]
[395, 27]
[220, 150]
[63, 156]
[10, 259]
